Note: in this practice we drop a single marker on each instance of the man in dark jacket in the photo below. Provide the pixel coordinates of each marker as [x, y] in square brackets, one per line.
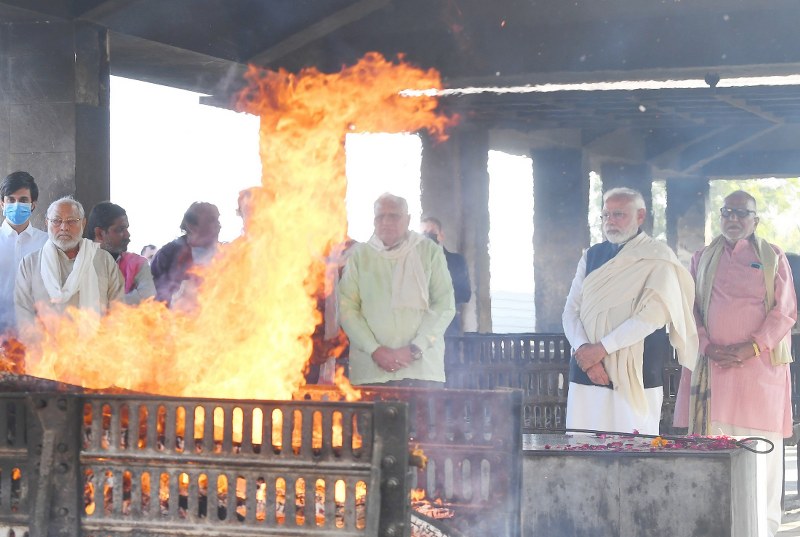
[459, 273]
[196, 246]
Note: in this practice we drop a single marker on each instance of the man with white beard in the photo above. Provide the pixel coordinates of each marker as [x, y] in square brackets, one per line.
[68, 271]
[625, 289]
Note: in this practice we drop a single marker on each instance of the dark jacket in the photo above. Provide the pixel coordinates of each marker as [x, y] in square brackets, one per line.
[459, 273]
[169, 267]
[457, 266]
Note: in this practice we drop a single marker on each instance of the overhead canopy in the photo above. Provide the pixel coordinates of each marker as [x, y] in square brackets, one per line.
[204, 45]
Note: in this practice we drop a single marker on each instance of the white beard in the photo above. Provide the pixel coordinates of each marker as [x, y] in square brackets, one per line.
[622, 235]
[65, 244]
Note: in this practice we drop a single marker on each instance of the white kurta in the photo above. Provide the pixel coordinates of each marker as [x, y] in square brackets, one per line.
[13, 247]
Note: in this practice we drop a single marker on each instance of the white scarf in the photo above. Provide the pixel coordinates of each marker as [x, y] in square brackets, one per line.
[409, 283]
[82, 279]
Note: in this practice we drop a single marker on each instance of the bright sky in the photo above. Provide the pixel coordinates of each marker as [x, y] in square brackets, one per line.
[168, 151]
[511, 222]
[386, 163]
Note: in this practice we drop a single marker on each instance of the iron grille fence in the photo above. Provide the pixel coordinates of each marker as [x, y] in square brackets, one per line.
[108, 466]
[538, 364]
[473, 444]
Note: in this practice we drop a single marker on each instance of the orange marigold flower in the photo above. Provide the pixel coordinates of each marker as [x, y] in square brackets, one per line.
[659, 442]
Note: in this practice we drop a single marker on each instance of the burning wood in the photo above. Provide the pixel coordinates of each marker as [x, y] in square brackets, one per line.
[422, 526]
[435, 509]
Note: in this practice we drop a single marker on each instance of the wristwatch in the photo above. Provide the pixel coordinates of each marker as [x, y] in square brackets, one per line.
[416, 352]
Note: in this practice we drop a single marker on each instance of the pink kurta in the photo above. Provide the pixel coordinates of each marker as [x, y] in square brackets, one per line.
[757, 395]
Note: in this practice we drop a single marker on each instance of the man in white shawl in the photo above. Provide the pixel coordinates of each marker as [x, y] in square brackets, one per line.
[395, 302]
[625, 289]
[68, 271]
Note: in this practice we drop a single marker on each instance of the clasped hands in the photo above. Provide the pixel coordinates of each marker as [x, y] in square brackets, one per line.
[726, 356]
[392, 360]
[590, 359]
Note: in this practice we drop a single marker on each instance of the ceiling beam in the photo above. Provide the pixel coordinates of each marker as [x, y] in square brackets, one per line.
[696, 157]
[755, 110]
[665, 73]
[33, 10]
[669, 158]
[751, 164]
[94, 10]
[318, 30]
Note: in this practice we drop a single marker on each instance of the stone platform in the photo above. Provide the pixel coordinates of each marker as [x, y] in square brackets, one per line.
[623, 491]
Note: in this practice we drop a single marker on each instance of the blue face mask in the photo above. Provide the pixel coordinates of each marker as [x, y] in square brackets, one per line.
[17, 213]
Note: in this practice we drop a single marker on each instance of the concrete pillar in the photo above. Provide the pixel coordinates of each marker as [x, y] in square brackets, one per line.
[687, 199]
[54, 115]
[636, 176]
[441, 188]
[473, 156]
[442, 198]
[561, 231]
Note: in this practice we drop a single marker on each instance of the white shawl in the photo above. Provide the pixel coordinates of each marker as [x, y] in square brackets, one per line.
[644, 271]
[82, 279]
[409, 283]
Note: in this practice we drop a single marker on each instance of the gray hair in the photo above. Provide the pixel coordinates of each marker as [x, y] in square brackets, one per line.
[746, 195]
[634, 196]
[66, 200]
[395, 200]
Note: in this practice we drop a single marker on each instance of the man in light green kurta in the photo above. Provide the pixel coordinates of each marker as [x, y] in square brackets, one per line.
[395, 302]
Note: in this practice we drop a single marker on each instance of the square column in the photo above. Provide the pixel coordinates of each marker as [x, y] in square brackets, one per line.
[54, 109]
[687, 199]
[560, 231]
[455, 189]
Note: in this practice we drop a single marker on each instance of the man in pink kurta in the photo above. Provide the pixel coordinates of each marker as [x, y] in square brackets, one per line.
[744, 333]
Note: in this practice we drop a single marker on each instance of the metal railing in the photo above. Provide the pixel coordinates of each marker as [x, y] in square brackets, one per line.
[538, 364]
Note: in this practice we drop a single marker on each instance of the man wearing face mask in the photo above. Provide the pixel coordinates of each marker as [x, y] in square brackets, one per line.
[459, 273]
[624, 289]
[18, 238]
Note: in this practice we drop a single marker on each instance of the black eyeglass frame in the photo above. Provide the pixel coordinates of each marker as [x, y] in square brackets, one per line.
[726, 212]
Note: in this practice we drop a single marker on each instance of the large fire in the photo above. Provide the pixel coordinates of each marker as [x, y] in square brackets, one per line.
[248, 334]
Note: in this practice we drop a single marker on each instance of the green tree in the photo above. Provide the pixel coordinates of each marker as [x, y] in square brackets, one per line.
[659, 197]
[777, 201]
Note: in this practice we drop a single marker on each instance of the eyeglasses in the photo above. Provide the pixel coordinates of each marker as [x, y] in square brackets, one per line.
[614, 215]
[71, 222]
[392, 218]
[727, 213]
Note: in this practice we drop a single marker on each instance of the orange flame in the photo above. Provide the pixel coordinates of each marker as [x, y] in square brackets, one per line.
[249, 332]
[12, 356]
[417, 495]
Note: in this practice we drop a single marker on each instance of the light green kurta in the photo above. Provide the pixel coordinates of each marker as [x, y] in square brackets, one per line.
[365, 297]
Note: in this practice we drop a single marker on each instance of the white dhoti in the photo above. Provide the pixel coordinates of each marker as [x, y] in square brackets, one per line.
[603, 409]
[769, 475]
